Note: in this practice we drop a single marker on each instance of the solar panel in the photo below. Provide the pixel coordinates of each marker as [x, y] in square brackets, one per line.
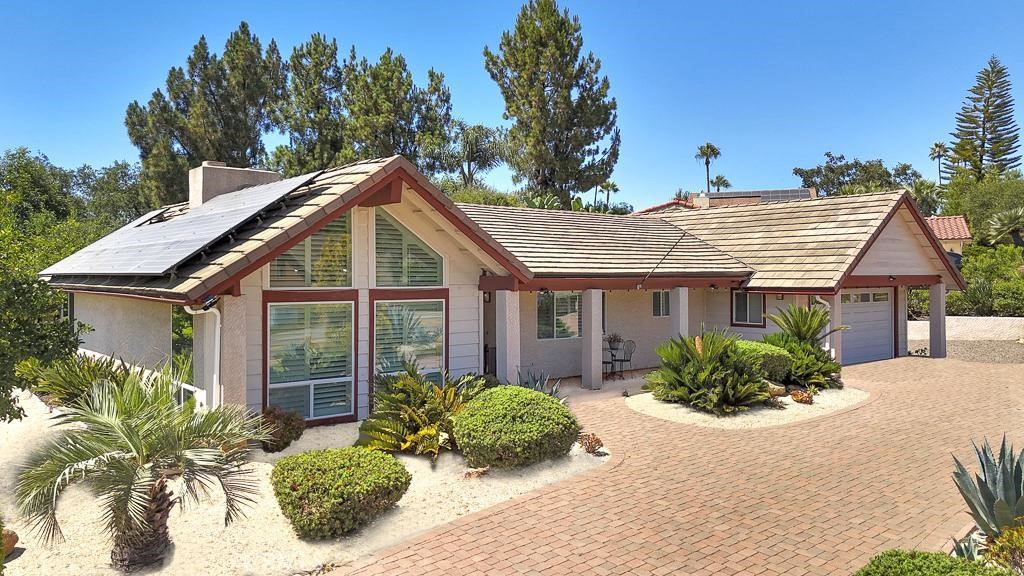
[141, 249]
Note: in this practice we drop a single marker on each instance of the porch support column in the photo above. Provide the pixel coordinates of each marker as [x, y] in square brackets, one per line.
[837, 320]
[591, 366]
[506, 335]
[679, 312]
[937, 320]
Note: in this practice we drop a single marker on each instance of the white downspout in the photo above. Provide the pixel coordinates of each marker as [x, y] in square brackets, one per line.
[828, 308]
[215, 398]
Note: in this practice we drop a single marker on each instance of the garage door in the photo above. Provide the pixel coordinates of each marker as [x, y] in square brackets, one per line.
[868, 313]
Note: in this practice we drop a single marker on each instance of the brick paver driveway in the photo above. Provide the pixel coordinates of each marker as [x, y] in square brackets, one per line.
[815, 497]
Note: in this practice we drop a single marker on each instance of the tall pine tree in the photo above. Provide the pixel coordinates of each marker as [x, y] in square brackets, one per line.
[564, 140]
[986, 133]
[217, 108]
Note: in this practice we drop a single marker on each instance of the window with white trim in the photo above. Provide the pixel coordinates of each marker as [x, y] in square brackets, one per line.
[409, 331]
[402, 258]
[661, 299]
[322, 260]
[559, 315]
[747, 308]
[311, 358]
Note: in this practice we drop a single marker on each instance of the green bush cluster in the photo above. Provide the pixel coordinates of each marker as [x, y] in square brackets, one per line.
[511, 426]
[284, 427]
[66, 380]
[708, 372]
[812, 365]
[773, 361]
[327, 493]
[1008, 298]
[995, 285]
[914, 563]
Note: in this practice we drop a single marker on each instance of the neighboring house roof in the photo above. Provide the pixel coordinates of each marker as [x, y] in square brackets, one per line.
[673, 203]
[800, 244]
[563, 243]
[272, 229]
[949, 227]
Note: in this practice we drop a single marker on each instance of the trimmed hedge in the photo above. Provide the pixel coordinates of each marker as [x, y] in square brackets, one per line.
[326, 493]
[914, 563]
[775, 362]
[511, 426]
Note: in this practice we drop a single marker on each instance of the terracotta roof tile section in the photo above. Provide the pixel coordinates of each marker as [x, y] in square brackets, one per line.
[564, 243]
[673, 203]
[949, 227]
[804, 244]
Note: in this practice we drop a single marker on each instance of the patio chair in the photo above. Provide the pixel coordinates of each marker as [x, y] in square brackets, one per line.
[624, 357]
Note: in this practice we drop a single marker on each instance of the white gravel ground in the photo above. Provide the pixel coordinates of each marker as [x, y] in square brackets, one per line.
[825, 402]
[262, 543]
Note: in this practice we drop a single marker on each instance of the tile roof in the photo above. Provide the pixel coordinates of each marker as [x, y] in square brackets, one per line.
[673, 203]
[805, 244]
[949, 227]
[564, 243]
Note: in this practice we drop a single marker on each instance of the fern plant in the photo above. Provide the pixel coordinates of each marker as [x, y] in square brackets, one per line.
[804, 324]
[707, 372]
[413, 414]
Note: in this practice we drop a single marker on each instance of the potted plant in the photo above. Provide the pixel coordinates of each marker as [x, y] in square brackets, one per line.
[613, 340]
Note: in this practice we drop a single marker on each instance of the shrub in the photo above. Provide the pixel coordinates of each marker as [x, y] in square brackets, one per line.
[1008, 298]
[590, 443]
[802, 397]
[327, 493]
[804, 323]
[1008, 550]
[995, 496]
[413, 414]
[812, 365]
[773, 361]
[914, 563]
[959, 304]
[512, 426]
[66, 380]
[917, 303]
[284, 428]
[707, 372]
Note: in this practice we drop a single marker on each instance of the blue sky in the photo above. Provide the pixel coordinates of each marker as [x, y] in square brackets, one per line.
[773, 84]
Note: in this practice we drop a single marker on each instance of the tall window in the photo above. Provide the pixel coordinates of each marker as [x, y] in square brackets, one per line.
[660, 298]
[747, 308]
[559, 315]
[409, 331]
[322, 260]
[402, 258]
[310, 357]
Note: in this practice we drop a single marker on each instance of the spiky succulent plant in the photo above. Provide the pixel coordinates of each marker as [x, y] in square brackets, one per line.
[995, 495]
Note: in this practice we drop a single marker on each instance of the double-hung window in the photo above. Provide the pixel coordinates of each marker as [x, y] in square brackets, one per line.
[559, 315]
[322, 260]
[402, 259]
[747, 308]
[311, 358]
[409, 331]
[660, 298]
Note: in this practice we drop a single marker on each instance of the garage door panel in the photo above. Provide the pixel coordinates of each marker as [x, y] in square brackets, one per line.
[869, 315]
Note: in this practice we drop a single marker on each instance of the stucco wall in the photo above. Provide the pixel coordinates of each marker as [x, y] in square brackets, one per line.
[136, 330]
[556, 357]
[717, 311]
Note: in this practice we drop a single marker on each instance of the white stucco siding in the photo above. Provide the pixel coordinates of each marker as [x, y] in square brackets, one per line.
[135, 330]
[717, 311]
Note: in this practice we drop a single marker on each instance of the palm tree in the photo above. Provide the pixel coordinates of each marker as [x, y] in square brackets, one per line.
[1007, 226]
[609, 188]
[720, 182]
[475, 148]
[938, 151]
[927, 195]
[707, 152]
[126, 441]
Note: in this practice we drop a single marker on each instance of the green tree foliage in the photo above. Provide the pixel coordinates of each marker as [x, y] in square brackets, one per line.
[312, 112]
[114, 195]
[473, 149]
[389, 114]
[720, 182]
[479, 193]
[858, 176]
[216, 108]
[986, 135]
[35, 185]
[564, 138]
[979, 202]
[707, 153]
[927, 195]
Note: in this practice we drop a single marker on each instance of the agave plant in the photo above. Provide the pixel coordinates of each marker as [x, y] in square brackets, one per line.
[804, 324]
[539, 382]
[995, 495]
[126, 443]
[413, 414]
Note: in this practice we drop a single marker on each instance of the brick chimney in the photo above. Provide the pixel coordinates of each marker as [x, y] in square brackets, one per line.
[215, 178]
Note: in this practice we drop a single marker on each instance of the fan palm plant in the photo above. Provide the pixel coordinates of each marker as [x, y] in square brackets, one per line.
[707, 152]
[804, 324]
[475, 148]
[127, 442]
[720, 182]
[927, 195]
[937, 152]
[1007, 226]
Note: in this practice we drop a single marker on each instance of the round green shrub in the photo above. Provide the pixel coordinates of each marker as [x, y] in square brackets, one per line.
[775, 362]
[512, 426]
[326, 493]
[914, 563]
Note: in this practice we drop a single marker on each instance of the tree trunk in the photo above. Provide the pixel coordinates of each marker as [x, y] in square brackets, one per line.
[134, 551]
[707, 173]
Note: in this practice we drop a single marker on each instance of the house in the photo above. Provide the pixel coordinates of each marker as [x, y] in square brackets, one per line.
[303, 289]
[951, 231]
[733, 198]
